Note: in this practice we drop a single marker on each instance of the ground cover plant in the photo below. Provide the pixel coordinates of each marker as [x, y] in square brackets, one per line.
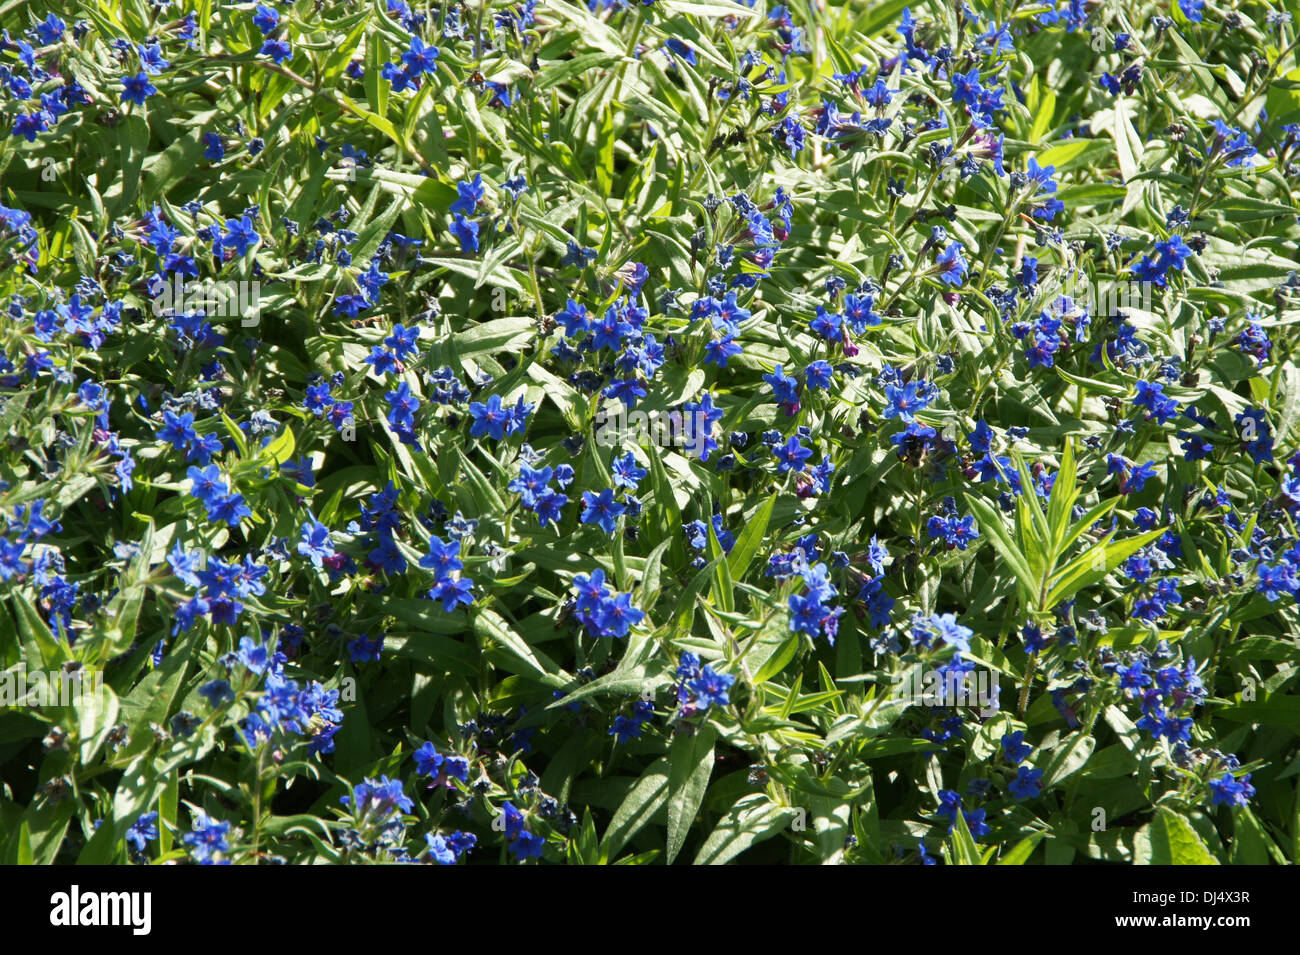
[687, 431]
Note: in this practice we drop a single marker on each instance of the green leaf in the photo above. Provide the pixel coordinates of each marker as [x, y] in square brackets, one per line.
[991, 528]
[1242, 209]
[1065, 490]
[638, 808]
[1067, 759]
[1128, 145]
[168, 803]
[750, 539]
[1043, 118]
[723, 591]
[1021, 852]
[25, 855]
[1251, 843]
[753, 818]
[962, 849]
[490, 626]
[1094, 564]
[39, 643]
[1168, 839]
[690, 761]
[1202, 74]
[1274, 710]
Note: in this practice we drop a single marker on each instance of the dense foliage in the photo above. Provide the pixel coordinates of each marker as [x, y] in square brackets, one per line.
[614, 432]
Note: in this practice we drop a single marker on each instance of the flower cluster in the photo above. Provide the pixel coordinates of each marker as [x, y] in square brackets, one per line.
[422, 429]
[699, 688]
[603, 612]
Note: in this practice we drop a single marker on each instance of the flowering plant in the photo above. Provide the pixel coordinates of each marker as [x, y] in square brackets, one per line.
[639, 432]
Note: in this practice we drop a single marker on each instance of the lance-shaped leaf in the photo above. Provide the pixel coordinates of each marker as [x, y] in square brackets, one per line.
[992, 527]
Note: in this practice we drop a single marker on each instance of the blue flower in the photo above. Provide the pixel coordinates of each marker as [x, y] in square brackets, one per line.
[975, 822]
[859, 312]
[207, 483]
[402, 341]
[207, 843]
[1256, 435]
[947, 629]
[213, 147]
[400, 78]
[905, 400]
[420, 58]
[447, 850]
[956, 531]
[217, 692]
[675, 47]
[1027, 784]
[527, 846]
[466, 231]
[240, 235]
[136, 89]
[50, 31]
[443, 768]
[616, 616]
[1228, 791]
[266, 19]
[792, 456]
[443, 558]
[470, 194]
[603, 612]
[1158, 405]
[1171, 255]
[951, 266]
[818, 375]
[548, 507]
[142, 831]
[1277, 580]
[786, 390]
[1014, 746]
[151, 59]
[601, 509]
[827, 324]
[966, 88]
[718, 351]
[790, 134]
[315, 542]
[626, 390]
[229, 508]
[625, 729]
[489, 419]
[378, 797]
[278, 50]
[626, 472]
[711, 688]
[592, 591]
[178, 429]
